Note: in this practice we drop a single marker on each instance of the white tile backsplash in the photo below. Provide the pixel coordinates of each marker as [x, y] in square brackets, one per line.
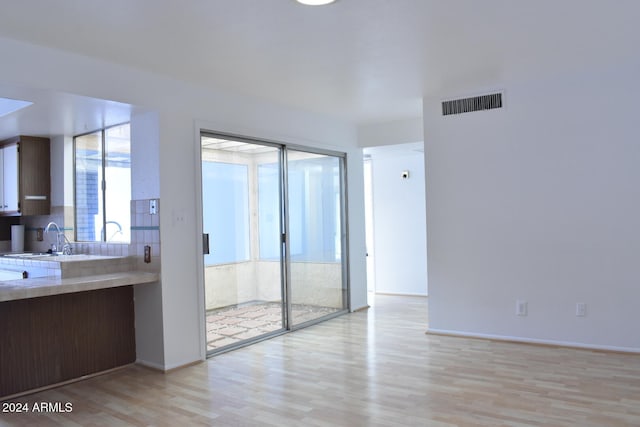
[145, 231]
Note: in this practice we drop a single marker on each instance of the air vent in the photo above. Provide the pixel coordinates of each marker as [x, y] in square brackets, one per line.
[476, 103]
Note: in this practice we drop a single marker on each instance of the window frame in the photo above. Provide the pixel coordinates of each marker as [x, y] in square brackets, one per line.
[102, 184]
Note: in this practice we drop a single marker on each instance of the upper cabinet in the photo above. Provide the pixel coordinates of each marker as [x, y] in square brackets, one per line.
[9, 197]
[25, 187]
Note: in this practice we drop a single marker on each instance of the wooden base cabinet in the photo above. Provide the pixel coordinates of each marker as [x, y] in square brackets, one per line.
[57, 338]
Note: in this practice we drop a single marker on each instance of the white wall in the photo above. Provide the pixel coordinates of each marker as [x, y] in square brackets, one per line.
[182, 109]
[391, 133]
[540, 202]
[57, 149]
[145, 184]
[145, 173]
[399, 220]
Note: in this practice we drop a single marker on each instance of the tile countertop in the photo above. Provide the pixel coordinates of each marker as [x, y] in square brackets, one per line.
[56, 261]
[45, 286]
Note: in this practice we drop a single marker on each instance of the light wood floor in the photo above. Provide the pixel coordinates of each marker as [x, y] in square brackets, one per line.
[372, 368]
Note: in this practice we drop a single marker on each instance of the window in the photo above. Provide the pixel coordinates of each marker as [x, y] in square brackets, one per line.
[102, 170]
[314, 209]
[226, 212]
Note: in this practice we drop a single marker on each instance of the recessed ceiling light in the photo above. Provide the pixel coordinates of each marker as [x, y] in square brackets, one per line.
[8, 106]
[315, 2]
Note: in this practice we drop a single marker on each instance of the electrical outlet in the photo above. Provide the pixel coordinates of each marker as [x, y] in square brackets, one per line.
[521, 308]
[581, 309]
[153, 207]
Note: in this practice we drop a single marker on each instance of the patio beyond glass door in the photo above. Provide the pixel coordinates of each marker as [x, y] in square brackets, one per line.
[273, 221]
[315, 238]
[243, 270]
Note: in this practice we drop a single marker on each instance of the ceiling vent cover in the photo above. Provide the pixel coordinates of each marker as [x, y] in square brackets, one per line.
[476, 103]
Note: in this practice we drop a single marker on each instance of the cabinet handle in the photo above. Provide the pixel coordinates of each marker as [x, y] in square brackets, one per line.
[35, 197]
[205, 243]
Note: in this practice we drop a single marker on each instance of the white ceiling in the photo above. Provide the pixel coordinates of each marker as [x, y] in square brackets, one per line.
[363, 61]
[56, 113]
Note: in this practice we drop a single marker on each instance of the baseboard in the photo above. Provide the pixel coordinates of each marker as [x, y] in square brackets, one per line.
[182, 366]
[165, 369]
[533, 341]
[402, 294]
[63, 383]
[150, 365]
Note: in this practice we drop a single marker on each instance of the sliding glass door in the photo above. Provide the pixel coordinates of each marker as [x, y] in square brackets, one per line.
[242, 262]
[273, 223]
[315, 244]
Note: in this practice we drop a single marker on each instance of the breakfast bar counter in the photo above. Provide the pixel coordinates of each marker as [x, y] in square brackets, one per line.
[46, 286]
[56, 329]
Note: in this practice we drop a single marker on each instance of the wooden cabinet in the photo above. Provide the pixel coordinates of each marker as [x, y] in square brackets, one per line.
[49, 340]
[26, 182]
[9, 197]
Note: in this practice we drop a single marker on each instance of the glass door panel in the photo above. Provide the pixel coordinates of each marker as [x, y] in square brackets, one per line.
[315, 214]
[243, 272]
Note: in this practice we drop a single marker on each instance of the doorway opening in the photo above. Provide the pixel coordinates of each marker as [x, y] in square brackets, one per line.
[395, 219]
[274, 238]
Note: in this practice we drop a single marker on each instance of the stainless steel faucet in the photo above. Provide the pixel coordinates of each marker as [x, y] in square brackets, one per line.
[104, 230]
[61, 240]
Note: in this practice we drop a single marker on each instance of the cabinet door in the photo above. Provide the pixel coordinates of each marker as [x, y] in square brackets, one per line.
[10, 177]
[35, 180]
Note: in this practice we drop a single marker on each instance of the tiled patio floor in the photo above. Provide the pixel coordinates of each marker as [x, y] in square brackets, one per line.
[230, 325]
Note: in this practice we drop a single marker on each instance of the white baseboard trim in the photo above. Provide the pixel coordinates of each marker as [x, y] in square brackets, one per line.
[364, 307]
[523, 340]
[152, 365]
[401, 294]
[167, 368]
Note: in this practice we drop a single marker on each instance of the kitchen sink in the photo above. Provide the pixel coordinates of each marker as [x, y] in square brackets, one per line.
[57, 257]
[41, 264]
[29, 255]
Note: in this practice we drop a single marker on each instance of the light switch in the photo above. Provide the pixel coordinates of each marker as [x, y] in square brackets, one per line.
[521, 308]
